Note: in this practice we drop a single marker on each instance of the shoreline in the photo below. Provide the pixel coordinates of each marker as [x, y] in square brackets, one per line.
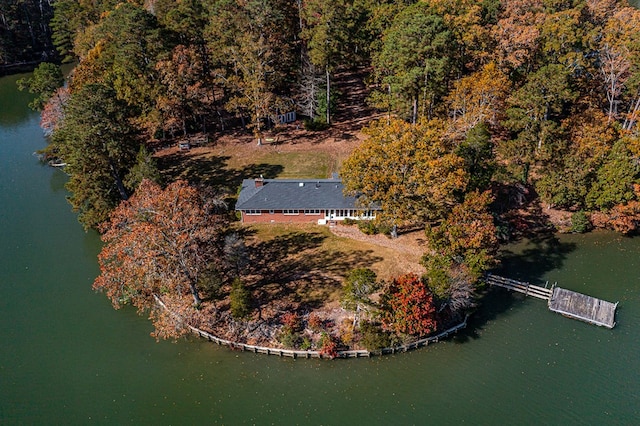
[292, 353]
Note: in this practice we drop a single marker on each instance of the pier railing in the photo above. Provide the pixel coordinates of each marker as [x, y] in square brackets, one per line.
[521, 287]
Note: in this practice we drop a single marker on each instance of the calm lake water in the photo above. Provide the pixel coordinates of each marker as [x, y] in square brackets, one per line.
[67, 357]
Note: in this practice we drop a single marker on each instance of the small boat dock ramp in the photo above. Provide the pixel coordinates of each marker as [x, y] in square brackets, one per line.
[565, 302]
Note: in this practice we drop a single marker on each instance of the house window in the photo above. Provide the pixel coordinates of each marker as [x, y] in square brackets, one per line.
[290, 212]
[312, 212]
[253, 212]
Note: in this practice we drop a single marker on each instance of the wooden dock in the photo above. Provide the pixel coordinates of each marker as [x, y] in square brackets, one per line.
[566, 302]
[583, 307]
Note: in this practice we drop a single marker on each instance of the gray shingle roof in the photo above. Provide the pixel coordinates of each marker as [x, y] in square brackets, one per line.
[294, 194]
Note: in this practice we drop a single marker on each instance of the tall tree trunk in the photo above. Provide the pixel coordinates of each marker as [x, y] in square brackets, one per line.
[414, 114]
[389, 106]
[118, 181]
[631, 117]
[328, 96]
[194, 292]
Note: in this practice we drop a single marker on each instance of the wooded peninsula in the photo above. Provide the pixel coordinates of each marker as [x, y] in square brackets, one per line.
[467, 123]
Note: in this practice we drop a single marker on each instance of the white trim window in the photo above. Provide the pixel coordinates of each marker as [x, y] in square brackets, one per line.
[253, 212]
[291, 212]
[315, 212]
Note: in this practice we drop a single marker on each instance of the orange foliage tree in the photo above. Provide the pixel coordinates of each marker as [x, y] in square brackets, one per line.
[468, 234]
[160, 242]
[407, 306]
[478, 98]
[623, 218]
[409, 170]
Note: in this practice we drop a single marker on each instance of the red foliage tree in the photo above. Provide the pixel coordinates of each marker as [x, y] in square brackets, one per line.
[408, 306]
[292, 321]
[329, 347]
[160, 242]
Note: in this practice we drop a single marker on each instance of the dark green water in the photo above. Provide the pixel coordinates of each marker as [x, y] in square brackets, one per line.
[67, 357]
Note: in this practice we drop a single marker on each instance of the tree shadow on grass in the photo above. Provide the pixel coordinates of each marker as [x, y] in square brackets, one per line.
[294, 270]
[213, 170]
[527, 261]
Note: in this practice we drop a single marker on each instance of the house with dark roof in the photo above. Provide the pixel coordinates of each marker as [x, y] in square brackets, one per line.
[298, 200]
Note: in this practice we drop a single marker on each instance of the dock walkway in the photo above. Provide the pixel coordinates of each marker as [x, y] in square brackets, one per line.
[566, 302]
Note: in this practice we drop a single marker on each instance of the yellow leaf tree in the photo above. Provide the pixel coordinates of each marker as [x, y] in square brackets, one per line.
[410, 171]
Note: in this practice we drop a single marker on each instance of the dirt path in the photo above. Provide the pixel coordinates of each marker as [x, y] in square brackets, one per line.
[409, 247]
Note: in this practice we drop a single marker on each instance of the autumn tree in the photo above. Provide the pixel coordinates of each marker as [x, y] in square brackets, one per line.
[619, 62]
[53, 110]
[252, 42]
[121, 51]
[625, 218]
[462, 248]
[470, 22]
[478, 98]
[517, 33]
[410, 171]
[408, 307]
[158, 243]
[184, 96]
[468, 235]
[564, 35]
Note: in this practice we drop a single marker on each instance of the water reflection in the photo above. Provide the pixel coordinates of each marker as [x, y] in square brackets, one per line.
[12, 102]
[530, 260]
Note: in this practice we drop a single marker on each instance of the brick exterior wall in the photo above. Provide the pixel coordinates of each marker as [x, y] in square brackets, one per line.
[279, 217]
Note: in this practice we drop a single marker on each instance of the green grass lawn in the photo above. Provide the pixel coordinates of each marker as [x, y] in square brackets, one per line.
[292, 165]
[317, 248]
[226, 167]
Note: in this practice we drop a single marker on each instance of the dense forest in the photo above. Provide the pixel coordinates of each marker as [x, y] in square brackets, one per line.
[484, 104]
[544, 93]
[25, 35]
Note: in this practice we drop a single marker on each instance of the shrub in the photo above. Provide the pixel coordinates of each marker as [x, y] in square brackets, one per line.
[373, 337]
[289, 339]
[316, 125]
[306, 344]
[367, 227]
[347, 334]
[580, 222]
[240, 298]
[291, 320]
[384, 229]
[315, 323]
[349, 221]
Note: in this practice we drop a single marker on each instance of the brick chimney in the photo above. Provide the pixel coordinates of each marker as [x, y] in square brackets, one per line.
[259, 181]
